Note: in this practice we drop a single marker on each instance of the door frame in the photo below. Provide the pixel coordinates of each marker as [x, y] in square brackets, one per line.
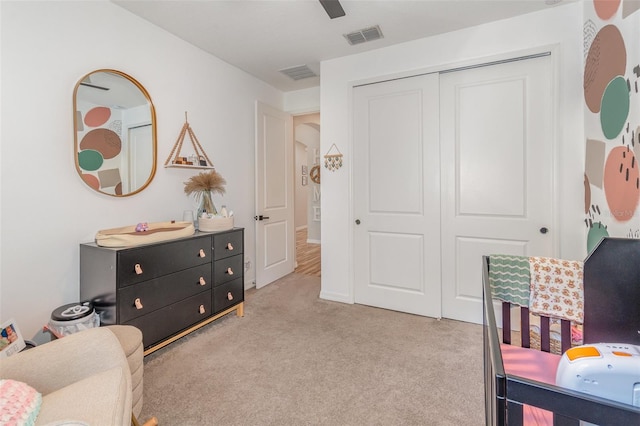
[553, 49]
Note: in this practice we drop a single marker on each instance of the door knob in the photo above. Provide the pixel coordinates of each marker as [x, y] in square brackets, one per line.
[357, 221]
[261, 217]
[543, 230]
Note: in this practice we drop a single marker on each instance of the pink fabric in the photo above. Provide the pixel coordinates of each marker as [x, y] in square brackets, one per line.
[19, 403]
[534, 365]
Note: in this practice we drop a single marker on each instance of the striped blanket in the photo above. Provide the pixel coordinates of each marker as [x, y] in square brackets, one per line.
[510, 278]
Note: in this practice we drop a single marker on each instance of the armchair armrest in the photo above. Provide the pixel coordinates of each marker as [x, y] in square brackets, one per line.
[61, 362]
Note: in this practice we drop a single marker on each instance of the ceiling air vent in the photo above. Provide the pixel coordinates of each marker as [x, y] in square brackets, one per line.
[299, 72]
[364, 35]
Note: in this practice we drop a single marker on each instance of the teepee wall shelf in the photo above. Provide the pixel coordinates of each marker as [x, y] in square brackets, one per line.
[198, 161]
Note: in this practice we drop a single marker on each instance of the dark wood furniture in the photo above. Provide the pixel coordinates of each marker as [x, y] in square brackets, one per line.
[166, 289]
[506, 394]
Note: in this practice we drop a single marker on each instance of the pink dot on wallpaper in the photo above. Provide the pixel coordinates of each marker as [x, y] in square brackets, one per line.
[97, 116]
[606, 8]
[607, 59]
[105, 141]
[91, 181]
[622, 183]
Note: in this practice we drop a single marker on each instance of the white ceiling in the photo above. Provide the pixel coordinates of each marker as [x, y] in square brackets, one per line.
[263, 36]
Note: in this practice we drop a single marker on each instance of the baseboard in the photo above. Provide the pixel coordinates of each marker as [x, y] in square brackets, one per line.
[313, 241]
[335, 297]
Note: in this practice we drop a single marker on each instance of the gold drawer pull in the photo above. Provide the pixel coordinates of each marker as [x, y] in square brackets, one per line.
[229, 246]
[229, 271]
[202, 281]
[138, 269]
[138, 303]
[202, 310]
[202, 253]
[229, 296]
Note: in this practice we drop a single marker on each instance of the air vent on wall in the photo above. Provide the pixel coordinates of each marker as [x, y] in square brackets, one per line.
[299, 72]
[364, 35]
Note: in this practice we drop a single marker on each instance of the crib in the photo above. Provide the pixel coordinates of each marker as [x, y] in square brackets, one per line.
[519, 380]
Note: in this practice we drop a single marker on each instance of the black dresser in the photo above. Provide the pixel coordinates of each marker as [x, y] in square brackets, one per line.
[166, 289]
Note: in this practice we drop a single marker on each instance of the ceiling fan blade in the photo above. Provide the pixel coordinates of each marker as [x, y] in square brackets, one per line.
[333, 8]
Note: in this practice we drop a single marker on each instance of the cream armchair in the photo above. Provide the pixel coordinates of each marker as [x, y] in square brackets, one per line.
[83, 377]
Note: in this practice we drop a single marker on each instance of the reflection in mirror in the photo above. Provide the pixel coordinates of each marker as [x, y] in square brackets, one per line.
[115, 133]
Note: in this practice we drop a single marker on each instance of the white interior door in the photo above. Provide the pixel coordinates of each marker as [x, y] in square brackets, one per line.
[275, 234]
[396, 190]
[497, 173]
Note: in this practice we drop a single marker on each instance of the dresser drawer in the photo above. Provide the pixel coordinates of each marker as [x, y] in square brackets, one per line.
[227, 269]
[163, 323]
[228, 294]
[227, 244]
[160, 292]
[155, 261]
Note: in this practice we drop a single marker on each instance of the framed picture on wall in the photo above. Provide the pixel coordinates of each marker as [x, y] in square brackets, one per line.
[304, 171]
[304, 180]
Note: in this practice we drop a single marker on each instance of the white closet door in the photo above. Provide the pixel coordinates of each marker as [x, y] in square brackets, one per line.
[497, 173]
[396, 191]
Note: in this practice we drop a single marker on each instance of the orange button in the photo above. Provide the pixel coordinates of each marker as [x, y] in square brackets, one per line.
[582, 352]
[621, 353]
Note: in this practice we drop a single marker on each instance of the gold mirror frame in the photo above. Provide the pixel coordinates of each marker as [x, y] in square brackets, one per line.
[115, 142]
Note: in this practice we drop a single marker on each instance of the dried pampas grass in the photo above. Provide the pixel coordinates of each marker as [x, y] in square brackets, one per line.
[202, 185]
[210, 181]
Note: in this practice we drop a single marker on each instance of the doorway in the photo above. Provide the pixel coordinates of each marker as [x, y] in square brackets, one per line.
[449, 167]
[307, 193]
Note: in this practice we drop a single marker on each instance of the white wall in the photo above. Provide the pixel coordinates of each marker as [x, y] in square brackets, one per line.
[300, 190]
[309, 134]
[47, 211]
[559, 26]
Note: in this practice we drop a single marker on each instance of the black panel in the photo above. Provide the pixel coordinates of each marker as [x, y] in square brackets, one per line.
[333, 8]
[221, 241]
[162, 259]
[221, 272]
[221, 295]
[159, 292]
[164, 323]
[612, 292]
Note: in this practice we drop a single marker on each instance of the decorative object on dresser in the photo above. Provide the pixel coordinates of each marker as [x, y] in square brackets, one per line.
[202, 186]
[166, 289]
[143, 233]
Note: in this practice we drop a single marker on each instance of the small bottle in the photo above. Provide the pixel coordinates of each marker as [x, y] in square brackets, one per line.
[223, 211]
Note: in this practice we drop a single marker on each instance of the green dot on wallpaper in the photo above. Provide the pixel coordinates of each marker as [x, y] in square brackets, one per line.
[596, 233]
[614, 109]
[90, 160]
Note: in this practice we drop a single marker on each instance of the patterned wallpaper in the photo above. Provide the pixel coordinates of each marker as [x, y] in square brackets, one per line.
[612, 119]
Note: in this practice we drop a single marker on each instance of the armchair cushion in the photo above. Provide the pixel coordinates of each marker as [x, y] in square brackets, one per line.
[83, 377]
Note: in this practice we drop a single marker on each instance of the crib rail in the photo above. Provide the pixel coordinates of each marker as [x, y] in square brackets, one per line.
[505, 394]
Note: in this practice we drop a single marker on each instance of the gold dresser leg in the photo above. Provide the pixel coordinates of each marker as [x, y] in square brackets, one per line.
[151, 422]
[240, 309]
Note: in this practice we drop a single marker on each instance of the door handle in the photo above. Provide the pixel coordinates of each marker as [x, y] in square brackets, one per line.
[357, 221]
[543, 230]
[261, 217]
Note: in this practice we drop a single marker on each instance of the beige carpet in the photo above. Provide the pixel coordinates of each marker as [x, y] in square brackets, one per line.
[295, 359]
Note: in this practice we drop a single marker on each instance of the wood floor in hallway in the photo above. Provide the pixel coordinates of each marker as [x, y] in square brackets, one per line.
[307, 255]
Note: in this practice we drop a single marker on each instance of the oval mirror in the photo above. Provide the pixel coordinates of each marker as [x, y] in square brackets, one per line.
[115, 133]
